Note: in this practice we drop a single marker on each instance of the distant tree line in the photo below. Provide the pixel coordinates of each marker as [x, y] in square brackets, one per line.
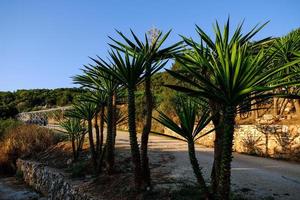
[12, 103]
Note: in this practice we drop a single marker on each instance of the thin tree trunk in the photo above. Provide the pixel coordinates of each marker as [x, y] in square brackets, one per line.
[135, 154]
[92, 145]
[109, 139]
[146, 131]
[97, 134]
[114, 117]
[197, 169]
[101, 158]
[81, 142]
[101, 150]
[225, 167]
[101, 129]
[215, 174]
[74, 148]
[217, 121]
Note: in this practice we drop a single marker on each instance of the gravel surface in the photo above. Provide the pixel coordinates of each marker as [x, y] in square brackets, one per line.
[253, 177]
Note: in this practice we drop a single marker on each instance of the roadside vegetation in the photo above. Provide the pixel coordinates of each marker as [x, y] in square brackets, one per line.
[23, 141]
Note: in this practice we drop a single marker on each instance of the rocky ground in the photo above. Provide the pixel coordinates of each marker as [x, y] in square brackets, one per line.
[12, 189]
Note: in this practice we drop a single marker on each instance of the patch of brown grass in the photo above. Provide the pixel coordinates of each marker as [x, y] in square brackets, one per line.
[23, 141]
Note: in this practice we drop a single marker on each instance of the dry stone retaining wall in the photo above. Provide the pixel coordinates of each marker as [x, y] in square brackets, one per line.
[266, 140]
[49, 181]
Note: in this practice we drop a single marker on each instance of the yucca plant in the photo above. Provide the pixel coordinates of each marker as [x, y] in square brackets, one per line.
[285, 49]
[155, 58]
[228, 72]
[96, 78]
[190, 126]
[128, 69]
[76, 132]
[99, 98]
[86, 111]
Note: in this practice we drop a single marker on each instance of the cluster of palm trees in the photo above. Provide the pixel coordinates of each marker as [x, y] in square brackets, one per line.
[113, 82]
[217, 79]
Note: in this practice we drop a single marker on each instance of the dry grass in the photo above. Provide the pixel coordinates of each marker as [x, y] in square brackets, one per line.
[23, 141]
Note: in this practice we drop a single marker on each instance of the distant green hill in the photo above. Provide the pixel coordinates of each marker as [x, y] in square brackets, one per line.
[28, 100]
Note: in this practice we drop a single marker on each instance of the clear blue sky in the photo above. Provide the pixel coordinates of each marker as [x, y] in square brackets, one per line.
[44, 43]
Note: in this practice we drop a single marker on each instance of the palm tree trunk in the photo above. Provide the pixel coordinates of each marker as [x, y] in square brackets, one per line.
[101, 129]
[81, 141]
[92, 145]
[215, 174]
[97, 134]
[135, 154]
[109, 139]
[101, 152]
[225, 167]
[197, 169]
[217, 121]
[74, 148]
[114, 117]
[146, 131]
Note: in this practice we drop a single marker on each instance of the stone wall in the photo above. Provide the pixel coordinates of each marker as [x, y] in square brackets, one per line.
[49, 181]
[279, 141]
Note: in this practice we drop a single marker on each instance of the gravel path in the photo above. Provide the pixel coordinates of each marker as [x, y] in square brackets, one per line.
[254, 177]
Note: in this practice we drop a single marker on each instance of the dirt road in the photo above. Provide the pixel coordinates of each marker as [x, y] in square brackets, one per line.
[255, 177]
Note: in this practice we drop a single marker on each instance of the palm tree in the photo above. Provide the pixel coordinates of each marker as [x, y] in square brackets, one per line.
[76, 132]
[189, 128]
[284, 49]
[96, 78]
[155, 58]
[128, 69]
[86, 111]
[228, 72]
[100, 98]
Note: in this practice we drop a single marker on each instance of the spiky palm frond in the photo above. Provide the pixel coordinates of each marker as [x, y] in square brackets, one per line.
[83, 110]
[97, 79]
[228, 72]
[287, 49]
[190, 123]
[152, 50]
[97, 97]
[123, 67]
[73, 126]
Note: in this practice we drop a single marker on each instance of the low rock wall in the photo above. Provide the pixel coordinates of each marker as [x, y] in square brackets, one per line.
[49, 181]
[279, 141]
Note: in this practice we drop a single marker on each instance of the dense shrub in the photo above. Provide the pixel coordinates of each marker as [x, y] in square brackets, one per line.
[6, 125]
[23, 141]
